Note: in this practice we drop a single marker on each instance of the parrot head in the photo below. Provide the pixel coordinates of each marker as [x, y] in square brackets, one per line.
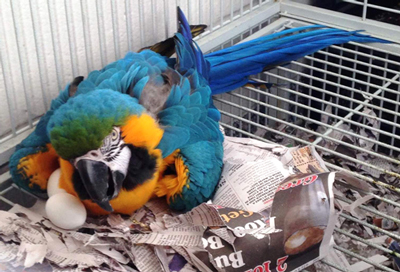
[109, 143]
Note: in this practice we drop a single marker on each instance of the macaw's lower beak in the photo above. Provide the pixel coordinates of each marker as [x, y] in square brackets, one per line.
[100, 182]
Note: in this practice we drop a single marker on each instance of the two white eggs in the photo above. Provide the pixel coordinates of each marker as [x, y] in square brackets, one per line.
[64, 210]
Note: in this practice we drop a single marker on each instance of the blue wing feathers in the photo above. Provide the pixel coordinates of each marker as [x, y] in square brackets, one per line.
[184, 107]
[127, 80]
[204, 160]
[138, 88]
[185, 28]
[174, 138]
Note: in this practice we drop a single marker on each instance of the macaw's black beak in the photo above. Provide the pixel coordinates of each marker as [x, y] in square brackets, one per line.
[100, 182]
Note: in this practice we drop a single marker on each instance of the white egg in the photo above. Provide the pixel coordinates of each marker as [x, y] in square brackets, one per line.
[65, 211]
[52, 184]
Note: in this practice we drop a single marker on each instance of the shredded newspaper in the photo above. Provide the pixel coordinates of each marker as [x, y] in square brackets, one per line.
[273, 210]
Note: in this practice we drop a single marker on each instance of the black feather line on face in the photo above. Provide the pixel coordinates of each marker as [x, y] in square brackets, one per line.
[142, 167]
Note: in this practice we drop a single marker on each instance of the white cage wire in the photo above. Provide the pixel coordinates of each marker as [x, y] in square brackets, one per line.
[344, 100]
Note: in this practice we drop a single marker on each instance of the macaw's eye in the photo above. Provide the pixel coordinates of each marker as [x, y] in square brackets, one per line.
[111, 141]
[115, 135]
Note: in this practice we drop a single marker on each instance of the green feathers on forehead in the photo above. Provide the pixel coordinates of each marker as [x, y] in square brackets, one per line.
[84, 121]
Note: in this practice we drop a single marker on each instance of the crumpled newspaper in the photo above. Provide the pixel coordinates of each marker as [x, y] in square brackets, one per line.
[155, 238]
[149, 240]
[384, 184]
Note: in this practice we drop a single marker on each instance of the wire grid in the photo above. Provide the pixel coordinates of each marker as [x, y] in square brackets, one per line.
[47, 43]
[325, 100]
[384, 11]
[361, 76]
[367, 6]
[350, 84]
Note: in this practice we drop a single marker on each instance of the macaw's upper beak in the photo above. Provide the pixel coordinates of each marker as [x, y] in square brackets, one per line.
[100, 182]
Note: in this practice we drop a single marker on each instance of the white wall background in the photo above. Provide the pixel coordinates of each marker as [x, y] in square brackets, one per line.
[44, 44]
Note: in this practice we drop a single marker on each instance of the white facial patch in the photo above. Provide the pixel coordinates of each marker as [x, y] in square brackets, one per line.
[112, 152]
[121, 162]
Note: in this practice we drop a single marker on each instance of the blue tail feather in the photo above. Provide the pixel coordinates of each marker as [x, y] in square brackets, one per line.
[231, 67]
[262, 40]
[268, 45]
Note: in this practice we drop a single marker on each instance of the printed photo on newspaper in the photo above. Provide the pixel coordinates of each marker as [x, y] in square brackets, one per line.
[295, 234]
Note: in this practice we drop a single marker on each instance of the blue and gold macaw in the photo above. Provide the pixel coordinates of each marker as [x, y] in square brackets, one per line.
[145, 125]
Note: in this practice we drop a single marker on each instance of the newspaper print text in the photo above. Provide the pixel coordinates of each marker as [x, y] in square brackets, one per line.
[303, 181]
[235, 214]
[281, 266]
